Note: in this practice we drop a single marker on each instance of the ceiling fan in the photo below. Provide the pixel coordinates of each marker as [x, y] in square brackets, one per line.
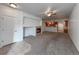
[49, 12]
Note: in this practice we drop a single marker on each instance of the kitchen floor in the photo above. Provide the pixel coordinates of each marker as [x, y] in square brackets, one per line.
[48, 43]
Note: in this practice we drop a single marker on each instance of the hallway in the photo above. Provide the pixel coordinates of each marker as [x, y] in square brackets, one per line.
[49, 43]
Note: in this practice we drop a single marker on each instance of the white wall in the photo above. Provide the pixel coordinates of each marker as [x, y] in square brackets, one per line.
[31, 21]
[74, 26]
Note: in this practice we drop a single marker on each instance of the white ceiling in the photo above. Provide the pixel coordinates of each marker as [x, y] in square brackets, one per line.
[37, 8]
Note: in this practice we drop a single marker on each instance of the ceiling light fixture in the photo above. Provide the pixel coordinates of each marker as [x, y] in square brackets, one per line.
[49, 14]
[13, 5]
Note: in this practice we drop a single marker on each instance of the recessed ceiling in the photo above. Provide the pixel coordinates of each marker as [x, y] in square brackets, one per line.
[37, 8]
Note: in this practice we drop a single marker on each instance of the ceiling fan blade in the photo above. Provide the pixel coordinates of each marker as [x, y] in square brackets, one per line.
[55, 11]
[48, 10]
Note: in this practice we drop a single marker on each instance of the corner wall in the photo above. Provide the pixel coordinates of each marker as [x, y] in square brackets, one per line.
[74, 26]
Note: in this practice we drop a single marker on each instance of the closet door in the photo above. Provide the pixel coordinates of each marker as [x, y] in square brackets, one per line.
[10, 30]
[7, 30]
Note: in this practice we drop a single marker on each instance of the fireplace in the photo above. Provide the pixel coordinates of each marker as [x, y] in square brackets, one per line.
[38, 30]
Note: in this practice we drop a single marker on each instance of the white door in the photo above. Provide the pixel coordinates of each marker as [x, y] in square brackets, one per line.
[18, 31]
[7, 28]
